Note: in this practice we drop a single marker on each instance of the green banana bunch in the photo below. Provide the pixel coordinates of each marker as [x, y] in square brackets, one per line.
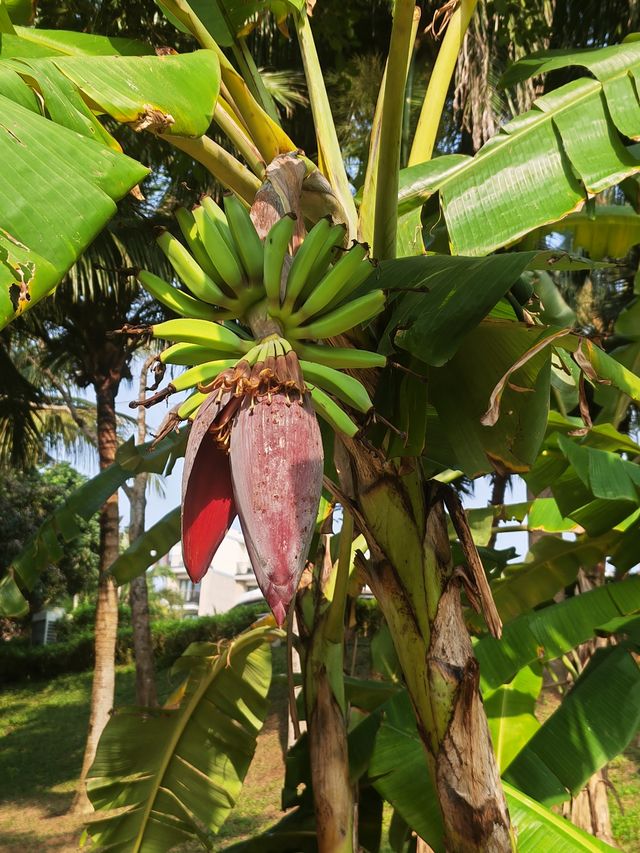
[291, 304]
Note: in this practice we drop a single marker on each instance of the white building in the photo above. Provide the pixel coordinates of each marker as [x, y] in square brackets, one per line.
[227, 583]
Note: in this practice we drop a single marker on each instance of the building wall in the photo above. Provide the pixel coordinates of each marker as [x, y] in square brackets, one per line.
[227, 581]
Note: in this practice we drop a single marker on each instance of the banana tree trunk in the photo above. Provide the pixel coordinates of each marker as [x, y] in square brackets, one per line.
[326, 710]
[412, 576]
[102, 692]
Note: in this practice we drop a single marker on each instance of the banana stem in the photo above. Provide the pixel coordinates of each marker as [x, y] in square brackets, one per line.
[386, 198]
[252, 75]
[225, 121]
[368, 205]
[329, 152]
[434, 99]
[334, 628]
[222, 165]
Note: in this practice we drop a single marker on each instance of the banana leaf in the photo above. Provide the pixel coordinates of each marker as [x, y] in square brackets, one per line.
[609, 232]
[59, 164]
[482, 359]
[543, 158]
[45, 547]
[399, 772]
[550, 566]
[172, 775]
[596, 720]
[511, 714]
[550, 632]
[146, 549]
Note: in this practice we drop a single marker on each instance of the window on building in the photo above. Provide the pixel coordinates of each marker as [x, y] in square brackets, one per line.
[189, 591]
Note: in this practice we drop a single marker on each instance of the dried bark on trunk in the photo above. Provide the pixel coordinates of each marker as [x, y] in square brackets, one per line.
[107, 602]
[146, 693]
[590, 809]
[332, 790]
[334, 795]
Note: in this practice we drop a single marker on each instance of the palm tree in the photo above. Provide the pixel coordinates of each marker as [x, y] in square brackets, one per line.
[75, 329]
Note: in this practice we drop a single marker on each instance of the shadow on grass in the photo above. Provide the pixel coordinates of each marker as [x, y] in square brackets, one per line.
[43, 725]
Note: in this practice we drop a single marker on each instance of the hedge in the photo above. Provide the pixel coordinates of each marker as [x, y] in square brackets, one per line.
[171, 637]
[19, 659]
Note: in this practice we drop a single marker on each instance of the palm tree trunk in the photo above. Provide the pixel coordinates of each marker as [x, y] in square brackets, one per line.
[411, 575]
[102, 692]
[146, 693]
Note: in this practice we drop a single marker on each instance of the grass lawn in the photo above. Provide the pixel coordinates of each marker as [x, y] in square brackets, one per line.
[43, 726]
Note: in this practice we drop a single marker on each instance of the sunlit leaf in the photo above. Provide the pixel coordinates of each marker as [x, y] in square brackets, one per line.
[594, 722]
[172, 775]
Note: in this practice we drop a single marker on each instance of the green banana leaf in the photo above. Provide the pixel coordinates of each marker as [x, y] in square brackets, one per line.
[628, 322]
[550, 566]
[609, 232]
[542, 165]
[172, 775]
[66, 168]
[552, 463]
[45, 547]
[550, 632]
[541, 829]
[553, 309]
[506, 446]
[604, 473]
[399, 772]
[596, 720]
[146, 549]
[452, 295]
[511, 714]
[21, 11]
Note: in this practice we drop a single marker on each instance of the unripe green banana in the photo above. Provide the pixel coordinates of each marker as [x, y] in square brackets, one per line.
[201, 332]
[341, 385]
[223, 257]
[188, 355]
[213, 210]
[334, 239]
[191, 405]
[189, 228]
[328, 409]
[248, 243]
[347, 274]
[192, 274]
[303, 261]
[340, 358]
[199, 217]
[275, 249]
[341, 319]
[202, 373]
[174, 299]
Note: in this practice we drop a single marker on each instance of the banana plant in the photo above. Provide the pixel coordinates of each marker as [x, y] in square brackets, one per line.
[271, 317]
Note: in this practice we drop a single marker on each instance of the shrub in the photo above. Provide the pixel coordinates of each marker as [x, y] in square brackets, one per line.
[74, 650]
[19, 659]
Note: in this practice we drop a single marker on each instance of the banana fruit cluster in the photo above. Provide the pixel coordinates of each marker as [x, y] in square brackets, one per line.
[238, 282]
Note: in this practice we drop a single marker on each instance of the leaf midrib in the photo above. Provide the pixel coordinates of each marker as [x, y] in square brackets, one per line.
[221, 663]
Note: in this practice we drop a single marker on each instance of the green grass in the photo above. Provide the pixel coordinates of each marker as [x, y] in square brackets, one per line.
[43, 727]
